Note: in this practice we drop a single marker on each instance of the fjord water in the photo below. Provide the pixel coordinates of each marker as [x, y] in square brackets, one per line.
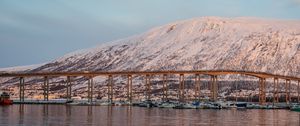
[63, 115]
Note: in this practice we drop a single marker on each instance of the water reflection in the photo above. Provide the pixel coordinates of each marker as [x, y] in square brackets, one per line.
[68, 110]
[45, 114]
[21, 114]
[109, 116]
[45, 110]
[68, 115]
[89, 114]
[148, 116]
[127, 116]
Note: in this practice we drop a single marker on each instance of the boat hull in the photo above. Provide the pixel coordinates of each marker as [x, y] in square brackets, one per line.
[6, 102]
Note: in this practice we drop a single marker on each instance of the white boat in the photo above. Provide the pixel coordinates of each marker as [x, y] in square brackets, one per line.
[185, 106]
[166, 105]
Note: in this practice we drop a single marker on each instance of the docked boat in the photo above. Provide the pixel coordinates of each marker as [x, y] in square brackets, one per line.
[184, 106]
[166, 104]
[252, 106]
[225, 104]
[241, 105]
[5, 99]
[147, 103]
[295, 108]
[212, 105]
[121, 103]
[230, 105]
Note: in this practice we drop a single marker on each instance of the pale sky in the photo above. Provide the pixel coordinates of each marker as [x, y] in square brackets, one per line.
[38, 31]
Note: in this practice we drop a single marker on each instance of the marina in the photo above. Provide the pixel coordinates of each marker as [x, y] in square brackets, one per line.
[170, 104]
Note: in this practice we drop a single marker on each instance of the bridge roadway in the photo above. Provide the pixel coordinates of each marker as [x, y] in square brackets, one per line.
[262, 76]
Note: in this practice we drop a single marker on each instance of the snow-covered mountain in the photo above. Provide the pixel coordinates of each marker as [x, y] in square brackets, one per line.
[250, 44]
[201, 43]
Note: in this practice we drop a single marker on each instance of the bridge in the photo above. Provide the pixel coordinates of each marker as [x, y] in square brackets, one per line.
[262, 76]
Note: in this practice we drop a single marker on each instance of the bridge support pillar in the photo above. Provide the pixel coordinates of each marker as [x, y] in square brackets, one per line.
[262, 92]
[298, 88]
[22, 89]
[287, 91]
[110, 89]
[46, 88]
[69, 88]
[290, 98]
[275, 91]
[213, 88]
[181, 88]
[197, 87]
[129, 88]
[148, 87]
[165, 87]
[90, 89]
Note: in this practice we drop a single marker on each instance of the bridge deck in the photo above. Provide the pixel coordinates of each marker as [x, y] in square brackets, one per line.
[105, 73]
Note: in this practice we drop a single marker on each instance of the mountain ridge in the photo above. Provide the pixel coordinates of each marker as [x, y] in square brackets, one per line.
[231, 34]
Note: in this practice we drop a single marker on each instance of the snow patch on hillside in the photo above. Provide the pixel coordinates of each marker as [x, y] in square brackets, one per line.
[20, 68]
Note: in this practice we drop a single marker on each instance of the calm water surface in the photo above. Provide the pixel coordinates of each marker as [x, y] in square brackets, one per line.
[62, 115]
